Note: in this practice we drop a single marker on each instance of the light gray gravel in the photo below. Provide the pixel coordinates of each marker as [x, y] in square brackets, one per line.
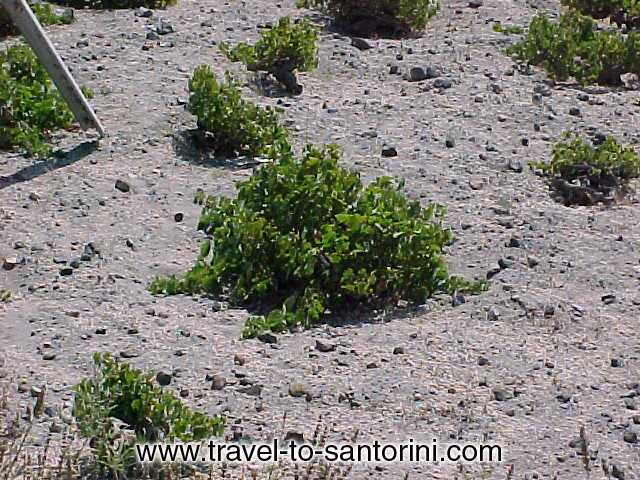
[525, 365]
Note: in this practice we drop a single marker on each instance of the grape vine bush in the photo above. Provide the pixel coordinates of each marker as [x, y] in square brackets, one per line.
[586, 174]
[118, 4]
[43, 12]
[305, 237]
[621, 12]
[369, 17]
[573, 47]
[281, 51]
[233, 125]
[119, 392]
[30, 105]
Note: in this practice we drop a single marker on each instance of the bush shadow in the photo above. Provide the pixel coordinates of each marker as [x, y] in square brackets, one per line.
[369, 27]
[190, 146]
[265, 85]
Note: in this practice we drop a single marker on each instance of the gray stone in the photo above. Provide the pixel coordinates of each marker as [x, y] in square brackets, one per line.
[123, 186]
[163, 378]
[515, 165]
[502, 394]
[443, 83]
[389, 151]
[324, 347]
[218, 382]
[163, 27]
[417, 74]
[630, 436]
[144, 12]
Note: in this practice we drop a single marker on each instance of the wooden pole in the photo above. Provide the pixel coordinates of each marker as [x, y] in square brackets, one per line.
[28, 24]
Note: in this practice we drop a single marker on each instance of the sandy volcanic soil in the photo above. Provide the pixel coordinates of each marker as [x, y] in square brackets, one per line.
[551, 347]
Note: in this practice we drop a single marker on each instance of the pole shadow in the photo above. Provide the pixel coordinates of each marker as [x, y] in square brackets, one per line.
[56, 161]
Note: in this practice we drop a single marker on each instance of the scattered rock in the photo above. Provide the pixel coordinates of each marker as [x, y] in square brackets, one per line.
[295, 437]
[502, 394]
[443, 83]
[493, 315]
[505, 263]
[239, 359]
[163, 378]
[122, 186]
[493, 271]
[514, 242]
[417, 74]
[297, 389]
[10, 263]
[457, 299]
[163, 27]
[55, 427]
[617, 362]
[324, 347]
[143, 12]
[268, 337]
[218, 382]
[389, 151]
[617, 471]
[515, 165]
[577, 444]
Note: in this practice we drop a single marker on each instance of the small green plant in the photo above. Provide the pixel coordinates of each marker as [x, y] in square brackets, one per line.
[232, 124]
[586, 174]
[371, 17]
[573, 47]
[305, 236]
[622, 12]
[118, 4]
[120, 392]
[43, 12]
[281, 51]
[30, 105]
[507, 29]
